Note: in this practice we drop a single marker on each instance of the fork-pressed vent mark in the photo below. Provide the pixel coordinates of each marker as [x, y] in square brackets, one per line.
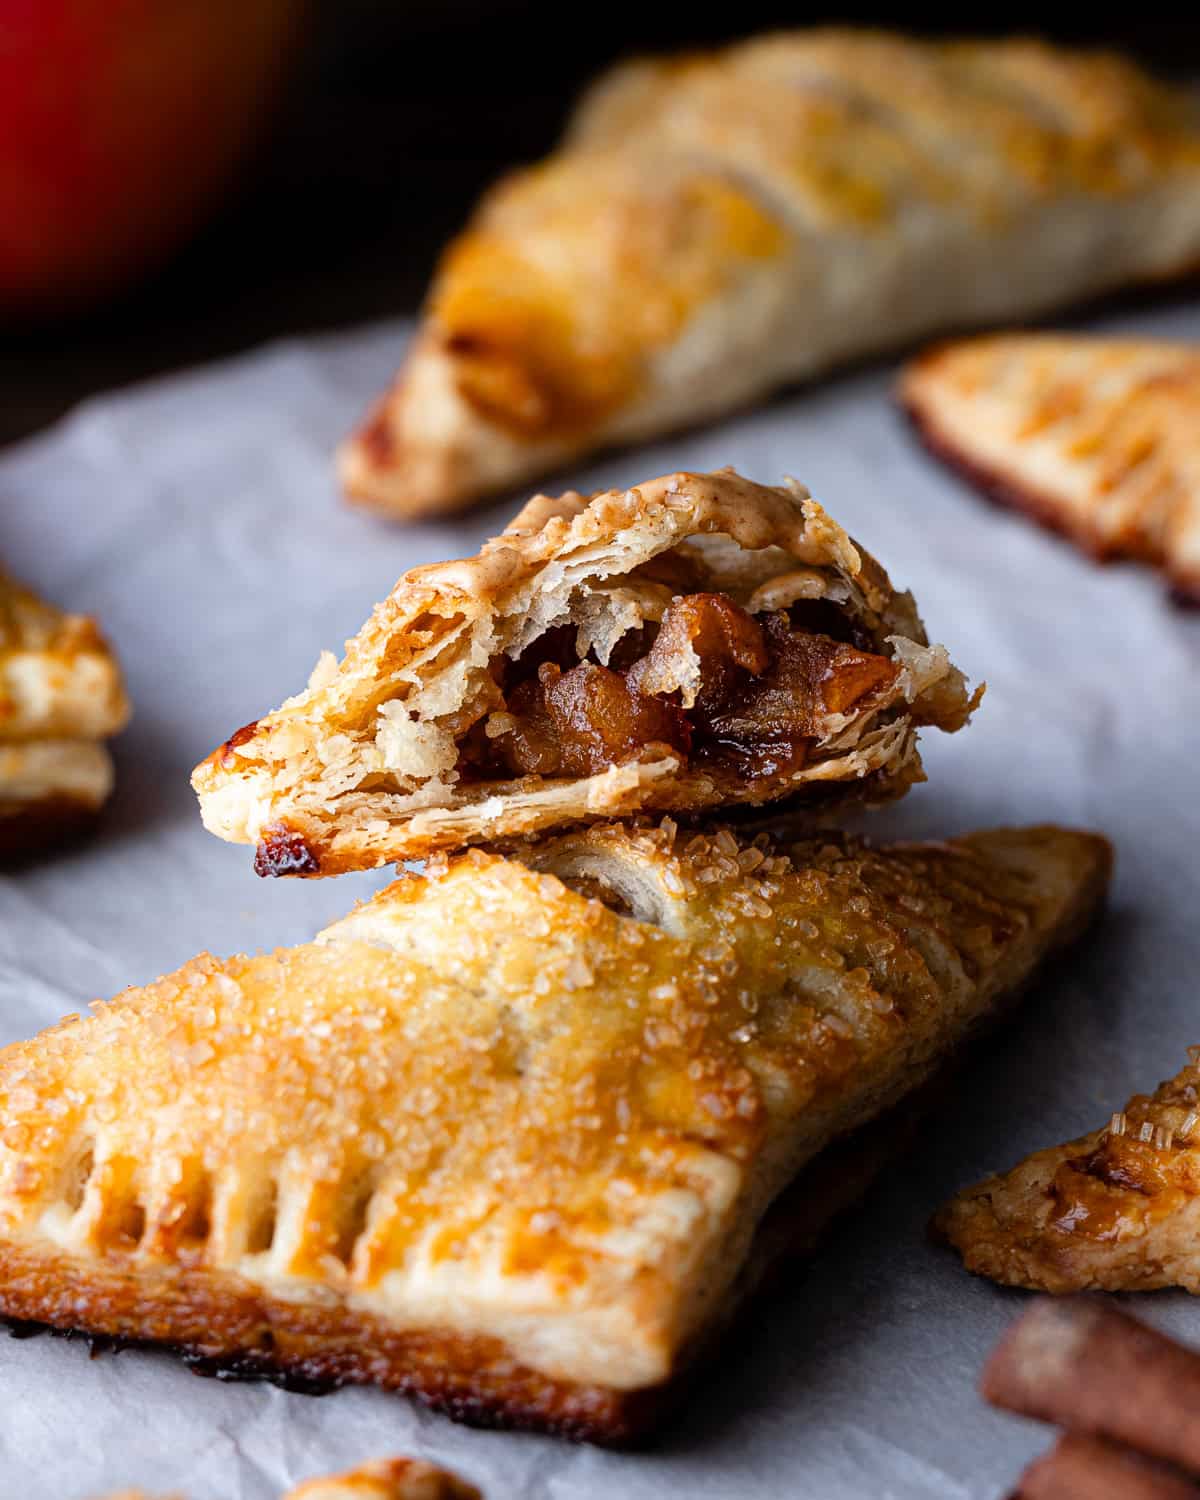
[129, 1221]
[195, 1219]
[353, 1215]
[264, 1213]
[78, 1174]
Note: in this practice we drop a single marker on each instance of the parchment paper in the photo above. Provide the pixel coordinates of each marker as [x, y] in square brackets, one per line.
[198, 518]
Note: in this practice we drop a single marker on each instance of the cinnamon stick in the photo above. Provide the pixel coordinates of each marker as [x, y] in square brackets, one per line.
[1085, 1366]
[1088, 1468]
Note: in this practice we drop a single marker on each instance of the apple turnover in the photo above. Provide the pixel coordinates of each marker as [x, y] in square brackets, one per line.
[61, 696]
[717, 225]
[505, 1138]
[1117, 1210]
[694, 643]
[1098, 438]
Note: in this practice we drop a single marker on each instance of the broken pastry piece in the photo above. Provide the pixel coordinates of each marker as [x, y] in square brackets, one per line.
[717, 225]
[504, 1138]
[696, 642]
[61, 696]
[1098, 438]
[1117, 1210]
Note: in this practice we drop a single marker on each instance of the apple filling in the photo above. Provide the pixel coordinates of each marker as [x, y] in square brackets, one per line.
[711, 684]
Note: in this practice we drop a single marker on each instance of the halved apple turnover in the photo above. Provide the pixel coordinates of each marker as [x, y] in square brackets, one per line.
[694, 643]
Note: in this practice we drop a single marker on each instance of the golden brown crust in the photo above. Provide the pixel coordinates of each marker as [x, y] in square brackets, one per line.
[1117, 1210]
[1097, 438]
[365, 767]
[492, 1142]
[715, 225]
[58, 678]
[388, 1479]
[61, 694]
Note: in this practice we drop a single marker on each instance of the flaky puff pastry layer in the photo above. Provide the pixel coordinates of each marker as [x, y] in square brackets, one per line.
[380, 1479]
[61, 696]
[716, 225]
[1117, 1210]
[365, 767]
[497, 1142]
[1098, 438]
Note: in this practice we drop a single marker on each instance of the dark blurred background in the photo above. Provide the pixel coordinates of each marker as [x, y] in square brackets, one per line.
[392, 118]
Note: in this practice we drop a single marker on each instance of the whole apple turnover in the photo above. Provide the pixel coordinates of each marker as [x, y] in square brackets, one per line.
[511, 1140]
[716, 225]
[61, 696]
[696, 642]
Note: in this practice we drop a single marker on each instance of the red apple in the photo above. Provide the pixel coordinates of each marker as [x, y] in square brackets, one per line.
[120, 121]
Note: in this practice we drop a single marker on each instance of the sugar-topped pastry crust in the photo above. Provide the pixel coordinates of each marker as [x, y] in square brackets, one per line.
[61, 695]
[718, 224]
[1098, 438]
[1117, 1210]
[418, 739]
[504, 1137]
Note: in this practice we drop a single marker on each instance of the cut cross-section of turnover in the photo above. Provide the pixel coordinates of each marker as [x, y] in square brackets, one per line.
[696, 642]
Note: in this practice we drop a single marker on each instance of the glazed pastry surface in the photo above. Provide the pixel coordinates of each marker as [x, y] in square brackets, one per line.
[505, 1138]
[715, 225]
[695, 642]
[1098, 438]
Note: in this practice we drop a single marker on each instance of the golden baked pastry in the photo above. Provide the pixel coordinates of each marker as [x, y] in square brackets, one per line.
[381, 1479]
[388, 1479]
[716, 225]
[502, 1138]
[1115, 1210]
[1098, 438]
[61, 695]
[696, 642]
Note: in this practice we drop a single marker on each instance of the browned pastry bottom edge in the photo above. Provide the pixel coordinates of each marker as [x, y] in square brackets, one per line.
[44, 823]
[236, 1333]
[1003, 490]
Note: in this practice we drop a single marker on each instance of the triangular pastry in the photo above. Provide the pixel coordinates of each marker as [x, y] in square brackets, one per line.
[696, 642]
[1117, 1210]
[717, 225]
[61, 696]
[1099, 438]
[502, 1138]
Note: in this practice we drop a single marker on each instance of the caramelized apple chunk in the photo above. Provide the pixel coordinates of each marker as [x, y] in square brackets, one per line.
[714, 685]
[766, 724]
[580, 722]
